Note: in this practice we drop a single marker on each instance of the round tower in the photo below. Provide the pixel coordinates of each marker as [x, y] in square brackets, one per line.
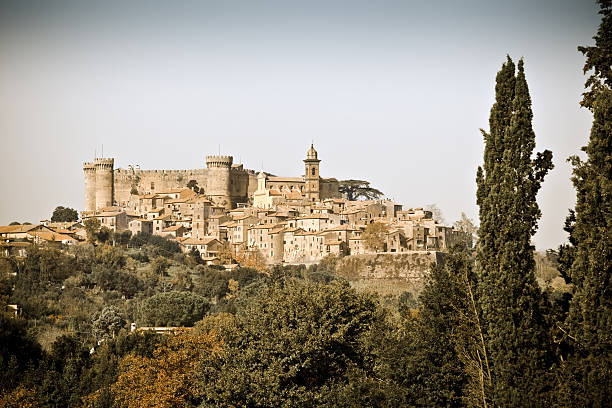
[218, 180]
[104, 182]
[90, 186]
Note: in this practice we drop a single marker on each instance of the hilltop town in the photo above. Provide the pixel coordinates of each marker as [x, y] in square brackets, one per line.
[274, 220]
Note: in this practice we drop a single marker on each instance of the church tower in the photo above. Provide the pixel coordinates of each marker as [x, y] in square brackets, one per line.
[311, 177]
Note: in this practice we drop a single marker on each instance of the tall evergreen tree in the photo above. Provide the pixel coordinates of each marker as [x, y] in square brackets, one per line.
[512, 304]
[589, 321]
[587, 260]
[599, 57]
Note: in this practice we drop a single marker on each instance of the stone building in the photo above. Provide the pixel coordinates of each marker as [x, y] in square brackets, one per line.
[226, 184]
[310, 187]
[223, 181]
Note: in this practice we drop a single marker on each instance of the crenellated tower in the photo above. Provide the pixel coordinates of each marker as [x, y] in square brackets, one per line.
[104, 186]
[90, 186]
[218, 186]
[311, 177]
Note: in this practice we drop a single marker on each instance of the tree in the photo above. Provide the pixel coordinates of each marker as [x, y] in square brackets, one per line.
[15, 223]
[434, 374]
[252, 258]
[168, 378]
[355, 189]
[173, 309]
[513, 308]
[159, 266]
[107, 323]
[193, 184]
[599, 57]
[375, 236]
[466, 225]
[64, 214]
[17, 351]
[295, 344]
[92, 227]
[588, 263]
[436, 213]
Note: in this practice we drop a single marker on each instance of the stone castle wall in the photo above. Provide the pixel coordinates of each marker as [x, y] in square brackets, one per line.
[153, 181]
[412, 267]
[105, 186]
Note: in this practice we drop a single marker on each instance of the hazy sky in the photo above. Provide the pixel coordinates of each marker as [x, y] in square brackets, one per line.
[393, 92]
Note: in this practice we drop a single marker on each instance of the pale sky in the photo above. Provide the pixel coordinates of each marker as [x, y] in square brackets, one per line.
[393, 92]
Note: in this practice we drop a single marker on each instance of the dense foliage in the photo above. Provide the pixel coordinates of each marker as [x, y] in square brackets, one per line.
[517, 337]
[64, 214]
[356, 189]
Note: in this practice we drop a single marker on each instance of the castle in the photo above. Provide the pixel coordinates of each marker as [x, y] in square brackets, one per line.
[226, 184]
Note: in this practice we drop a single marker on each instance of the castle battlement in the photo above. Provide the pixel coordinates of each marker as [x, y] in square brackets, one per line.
[105, 163]
[219, 161]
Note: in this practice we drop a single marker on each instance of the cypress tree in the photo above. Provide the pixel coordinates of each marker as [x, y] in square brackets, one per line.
[599, 57]
[512, 305]
[586, 375]
[589, 322]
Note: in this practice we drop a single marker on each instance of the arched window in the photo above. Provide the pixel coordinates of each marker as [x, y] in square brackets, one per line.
[313, 171]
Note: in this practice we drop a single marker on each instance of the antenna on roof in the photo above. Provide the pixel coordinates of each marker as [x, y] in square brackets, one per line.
[219, 149]
[102, 149]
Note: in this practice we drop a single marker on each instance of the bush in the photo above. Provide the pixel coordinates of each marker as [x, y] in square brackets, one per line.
[173, 309]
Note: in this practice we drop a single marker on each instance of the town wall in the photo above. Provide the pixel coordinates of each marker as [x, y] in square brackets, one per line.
[412, 267]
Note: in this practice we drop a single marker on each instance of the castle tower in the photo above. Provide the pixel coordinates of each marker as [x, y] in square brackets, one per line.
[218, 185]
[311, 177]
[90, 186]
[104, 182]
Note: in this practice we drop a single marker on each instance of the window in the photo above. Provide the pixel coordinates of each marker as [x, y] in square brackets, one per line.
[313, 171]
[152, 186]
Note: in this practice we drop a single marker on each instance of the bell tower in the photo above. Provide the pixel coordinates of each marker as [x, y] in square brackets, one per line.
[311, 177]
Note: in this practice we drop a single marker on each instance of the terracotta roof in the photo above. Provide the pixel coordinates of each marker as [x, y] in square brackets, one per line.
[199, 241]
[340, 228]
[173, 228]
[295, 195]
[5, 229]
[63, 225]
[314, 217]
[156, 210]
[15, 244]
[293, 229]
[109, 214]
[50, 236]
[262, 226]
[274, 193]
[63, 231]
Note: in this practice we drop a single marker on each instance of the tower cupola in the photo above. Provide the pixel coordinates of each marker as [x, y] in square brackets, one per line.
[312, 153]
